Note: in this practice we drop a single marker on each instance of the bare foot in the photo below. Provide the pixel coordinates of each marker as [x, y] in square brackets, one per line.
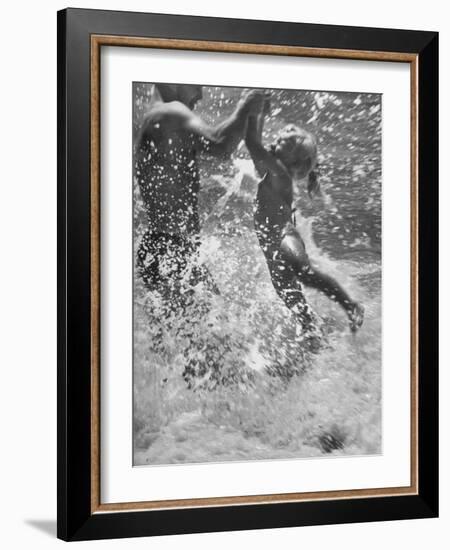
[356, 316]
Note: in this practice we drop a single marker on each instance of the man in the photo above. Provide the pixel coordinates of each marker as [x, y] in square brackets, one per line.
[166, 168]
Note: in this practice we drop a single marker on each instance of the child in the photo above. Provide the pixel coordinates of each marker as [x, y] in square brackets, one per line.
[293, 155]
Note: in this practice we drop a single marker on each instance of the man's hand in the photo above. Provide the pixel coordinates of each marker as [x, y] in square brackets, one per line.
[253, 101]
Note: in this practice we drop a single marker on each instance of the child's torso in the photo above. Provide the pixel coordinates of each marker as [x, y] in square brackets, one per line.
[272, 211]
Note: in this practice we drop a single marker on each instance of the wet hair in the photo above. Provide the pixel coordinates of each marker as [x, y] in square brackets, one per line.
[301, 144]
[177, 92]
[168, 92]
[293, 139]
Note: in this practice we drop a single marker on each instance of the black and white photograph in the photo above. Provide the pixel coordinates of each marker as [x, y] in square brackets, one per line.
[257, 274]
[223, 293]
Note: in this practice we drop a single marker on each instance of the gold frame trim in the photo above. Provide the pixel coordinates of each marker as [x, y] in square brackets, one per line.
[108, 40]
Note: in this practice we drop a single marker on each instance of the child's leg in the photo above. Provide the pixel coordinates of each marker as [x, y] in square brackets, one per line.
[293, 251]
[326, 284]
[289, 289]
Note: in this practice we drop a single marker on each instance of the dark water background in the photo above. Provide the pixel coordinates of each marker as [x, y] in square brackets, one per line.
[277, 404]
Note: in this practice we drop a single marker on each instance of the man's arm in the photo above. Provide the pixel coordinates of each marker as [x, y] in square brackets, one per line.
[221, 139]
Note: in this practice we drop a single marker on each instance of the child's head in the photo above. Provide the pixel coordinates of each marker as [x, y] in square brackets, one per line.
[296, 149]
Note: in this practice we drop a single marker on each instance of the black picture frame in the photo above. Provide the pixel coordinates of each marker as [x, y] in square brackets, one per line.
[76, 518]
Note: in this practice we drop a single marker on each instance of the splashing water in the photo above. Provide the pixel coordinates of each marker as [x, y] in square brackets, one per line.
[261, 397]
[277, 404]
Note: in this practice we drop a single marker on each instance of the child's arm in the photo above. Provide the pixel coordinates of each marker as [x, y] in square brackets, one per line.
[313, 186]
[264, 161]
[254, 144]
